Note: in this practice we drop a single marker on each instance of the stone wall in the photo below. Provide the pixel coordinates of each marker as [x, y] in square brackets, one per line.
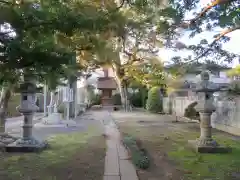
[225, 118]
[177, 105]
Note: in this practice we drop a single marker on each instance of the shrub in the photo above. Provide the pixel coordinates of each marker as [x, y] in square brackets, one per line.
[96, 99]
[154, 101]
[191, 112]
[61, 108]
[116, 98]
[136, 99]
[234, 87]
[139, 155]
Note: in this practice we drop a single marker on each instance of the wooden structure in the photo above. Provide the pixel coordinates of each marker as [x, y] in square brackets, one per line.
[107, 85]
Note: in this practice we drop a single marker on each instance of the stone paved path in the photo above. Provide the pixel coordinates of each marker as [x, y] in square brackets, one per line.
[117, 165]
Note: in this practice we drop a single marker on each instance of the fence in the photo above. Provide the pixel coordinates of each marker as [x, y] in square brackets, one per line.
[225, 118]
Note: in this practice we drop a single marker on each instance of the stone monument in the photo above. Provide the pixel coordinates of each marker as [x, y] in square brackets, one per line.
[27, 107]
[54, 117]
[205, 143]
[67, 99]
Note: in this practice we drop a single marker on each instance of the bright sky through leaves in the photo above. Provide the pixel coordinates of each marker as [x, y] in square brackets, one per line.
[231, 46]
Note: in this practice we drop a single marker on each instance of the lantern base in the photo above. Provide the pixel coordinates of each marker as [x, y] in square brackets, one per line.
[27, 145]
[210, 147]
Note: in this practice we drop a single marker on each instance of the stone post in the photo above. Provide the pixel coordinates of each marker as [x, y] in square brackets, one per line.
[27, 107]
[51, 104]
[205, 107]
[45, 100]
[73, 85]
[56, 99]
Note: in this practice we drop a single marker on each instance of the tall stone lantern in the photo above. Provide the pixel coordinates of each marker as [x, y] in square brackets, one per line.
[205, 143]
[27, 107]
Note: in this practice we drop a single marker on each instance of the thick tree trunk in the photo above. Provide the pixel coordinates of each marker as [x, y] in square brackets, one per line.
[123, 93]
[127, 102]
[5, 96]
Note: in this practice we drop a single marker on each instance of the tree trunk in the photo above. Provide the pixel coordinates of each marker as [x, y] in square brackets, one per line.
[120, 87]
[72, 105]
[5, 96]
[123, 93]
[127, 101]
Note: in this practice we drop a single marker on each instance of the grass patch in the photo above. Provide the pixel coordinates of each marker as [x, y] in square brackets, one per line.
[172, 156]
[203, 166]
[72, 156]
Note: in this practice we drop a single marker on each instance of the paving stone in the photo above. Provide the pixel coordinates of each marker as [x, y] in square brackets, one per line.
[129, 177]
[112, 154]
[116, 165]
[111, 178]
[111, 164]
[111, 144]
[123, 154]
[127, 169]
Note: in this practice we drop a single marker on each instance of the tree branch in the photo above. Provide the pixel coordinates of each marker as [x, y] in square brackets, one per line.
[120, 5]
[6, 2]
[222, 34]
[207, 8]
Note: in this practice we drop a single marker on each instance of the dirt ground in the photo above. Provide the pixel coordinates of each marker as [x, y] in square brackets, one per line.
[171, 156]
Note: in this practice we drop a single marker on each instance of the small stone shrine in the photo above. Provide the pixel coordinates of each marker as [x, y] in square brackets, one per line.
[205, 143]
[53, 118]
[27, 107]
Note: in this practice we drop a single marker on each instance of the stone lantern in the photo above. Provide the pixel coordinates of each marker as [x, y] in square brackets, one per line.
[27, 108]
[205, 143]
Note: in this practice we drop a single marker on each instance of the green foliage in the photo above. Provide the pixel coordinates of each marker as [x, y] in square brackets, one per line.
[154, 102]
[191, 112]
[234, 87]
[136, 99]
[116, 98]
[147, 74]
[234, 71]
[43, 36]
[139, 155]
[61, 108]
[96, 99]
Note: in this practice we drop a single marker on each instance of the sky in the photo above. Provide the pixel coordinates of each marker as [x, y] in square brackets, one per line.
[231, 46]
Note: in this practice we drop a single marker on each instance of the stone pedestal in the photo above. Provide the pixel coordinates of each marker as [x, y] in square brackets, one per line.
[208, 146]
[27, 143]
[53, 118]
